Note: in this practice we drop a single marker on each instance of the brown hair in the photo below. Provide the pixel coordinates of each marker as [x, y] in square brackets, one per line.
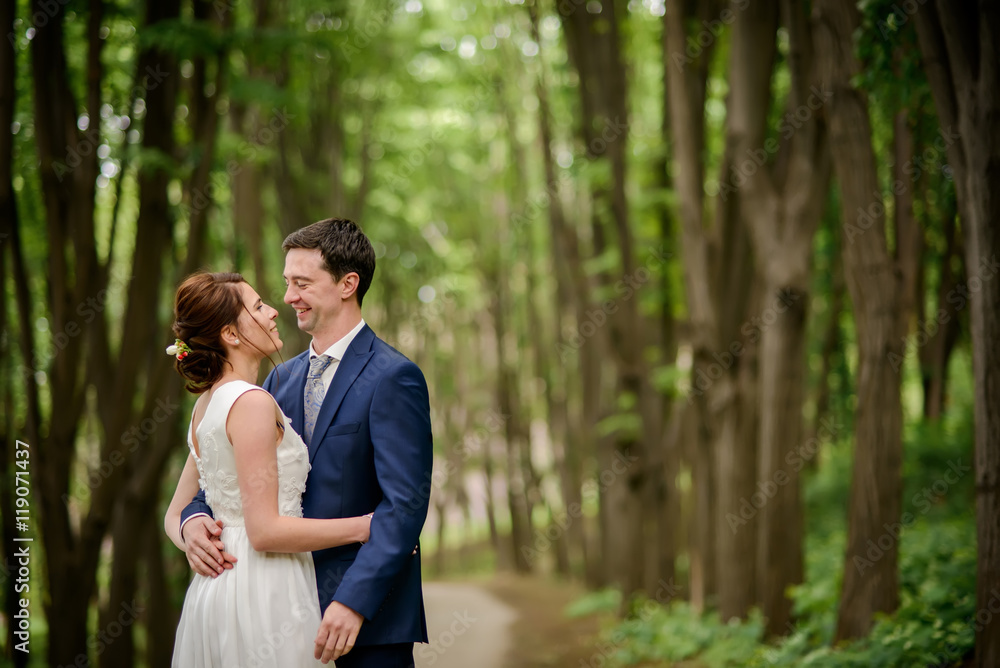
[205, 303]
[344, 247]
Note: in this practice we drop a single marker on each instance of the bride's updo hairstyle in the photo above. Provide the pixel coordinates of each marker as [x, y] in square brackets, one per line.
[205, 303]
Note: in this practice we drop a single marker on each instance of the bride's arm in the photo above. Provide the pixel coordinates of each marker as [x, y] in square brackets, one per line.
[251, 428]
[187, 487]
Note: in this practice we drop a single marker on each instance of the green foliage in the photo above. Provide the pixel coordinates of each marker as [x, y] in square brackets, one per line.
[184, 38]
[667, 378]
[933, 626]
[626, 422]
[675, 633]
[935, 622]
[604, 600]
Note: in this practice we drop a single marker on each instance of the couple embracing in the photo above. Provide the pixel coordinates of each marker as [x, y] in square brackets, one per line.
[328, 457]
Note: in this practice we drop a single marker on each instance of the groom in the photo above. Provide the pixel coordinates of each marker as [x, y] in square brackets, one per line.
[363, 410]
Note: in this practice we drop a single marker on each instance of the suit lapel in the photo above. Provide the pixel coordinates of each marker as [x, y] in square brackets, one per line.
[354, 362]
[297, 388]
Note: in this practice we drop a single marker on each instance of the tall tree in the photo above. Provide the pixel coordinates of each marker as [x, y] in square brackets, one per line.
[574, 420]
[942, 325]
[686, 79]
[958, 42]
[9, 239]
[661, 413]
[870, 585]
[783, 182]
[593, 36]
[720, 287]
[69, 212]
[515, 429]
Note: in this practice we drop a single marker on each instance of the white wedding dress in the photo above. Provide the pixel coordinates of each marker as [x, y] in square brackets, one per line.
[265, 610]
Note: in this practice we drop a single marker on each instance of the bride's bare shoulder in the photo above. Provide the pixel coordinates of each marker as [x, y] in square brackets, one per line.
[255, 399]
[254, 408]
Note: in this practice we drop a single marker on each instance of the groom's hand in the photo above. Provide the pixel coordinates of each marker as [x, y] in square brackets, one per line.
[337, 632]
[205, 552]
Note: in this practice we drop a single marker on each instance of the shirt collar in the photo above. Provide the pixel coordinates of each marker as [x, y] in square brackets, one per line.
[339, 349]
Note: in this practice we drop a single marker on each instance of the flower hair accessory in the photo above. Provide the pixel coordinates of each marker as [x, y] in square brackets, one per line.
[179, 350]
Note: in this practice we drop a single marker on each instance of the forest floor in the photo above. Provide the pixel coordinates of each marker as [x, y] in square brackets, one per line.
[506, 621]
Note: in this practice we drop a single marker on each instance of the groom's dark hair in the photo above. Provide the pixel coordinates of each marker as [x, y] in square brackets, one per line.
[344, 247]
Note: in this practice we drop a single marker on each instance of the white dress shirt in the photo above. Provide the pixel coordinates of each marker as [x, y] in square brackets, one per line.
[337, 352]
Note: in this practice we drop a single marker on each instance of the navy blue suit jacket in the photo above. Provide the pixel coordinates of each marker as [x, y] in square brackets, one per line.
[371, 451]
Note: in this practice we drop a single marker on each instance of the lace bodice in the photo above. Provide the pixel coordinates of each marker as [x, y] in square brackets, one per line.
[217, 464]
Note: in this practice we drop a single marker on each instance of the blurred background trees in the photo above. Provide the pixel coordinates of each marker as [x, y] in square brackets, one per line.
[704, 293]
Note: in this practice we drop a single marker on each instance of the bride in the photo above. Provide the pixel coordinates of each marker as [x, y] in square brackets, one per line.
[253, 467]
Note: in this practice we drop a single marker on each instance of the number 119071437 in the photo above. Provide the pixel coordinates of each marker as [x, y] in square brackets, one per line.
[22, 487]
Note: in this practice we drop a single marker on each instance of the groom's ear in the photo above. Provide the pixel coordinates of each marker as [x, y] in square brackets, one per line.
[349, 284]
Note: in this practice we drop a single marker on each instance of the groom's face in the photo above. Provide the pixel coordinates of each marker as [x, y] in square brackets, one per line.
[311, 290]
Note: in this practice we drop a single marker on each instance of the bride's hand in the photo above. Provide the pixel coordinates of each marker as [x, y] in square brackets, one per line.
[367, 533]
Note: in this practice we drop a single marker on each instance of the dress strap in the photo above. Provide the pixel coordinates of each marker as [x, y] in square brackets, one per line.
[227, 394]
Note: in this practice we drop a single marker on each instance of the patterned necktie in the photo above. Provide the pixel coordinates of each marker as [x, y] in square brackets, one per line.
[314, 393]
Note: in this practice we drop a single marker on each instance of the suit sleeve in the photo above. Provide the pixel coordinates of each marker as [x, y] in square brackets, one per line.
[400, 426]
[198, 506]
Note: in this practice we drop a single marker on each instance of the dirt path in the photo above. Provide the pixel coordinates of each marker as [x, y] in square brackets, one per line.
[467, 626]
[506, 622]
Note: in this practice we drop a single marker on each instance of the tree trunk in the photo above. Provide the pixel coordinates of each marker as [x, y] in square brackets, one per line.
[831, 349]
[982, 252]
[661, 502]
[909, 246]
[32, 421]
[11, 431]
[548, 337]
[248, 211]
[871, 577]
[527, 328]
[686, 79]
[958, 43]
[161, 616]
[507, 398]
[69, 196]
[440, 508]
[520, 524]
[489, 465]
[703, 553]
[943, 326]
[732, 363]
[594, 47]
[571, 293]
[136, 503]
[781, 202]
[782, 456]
